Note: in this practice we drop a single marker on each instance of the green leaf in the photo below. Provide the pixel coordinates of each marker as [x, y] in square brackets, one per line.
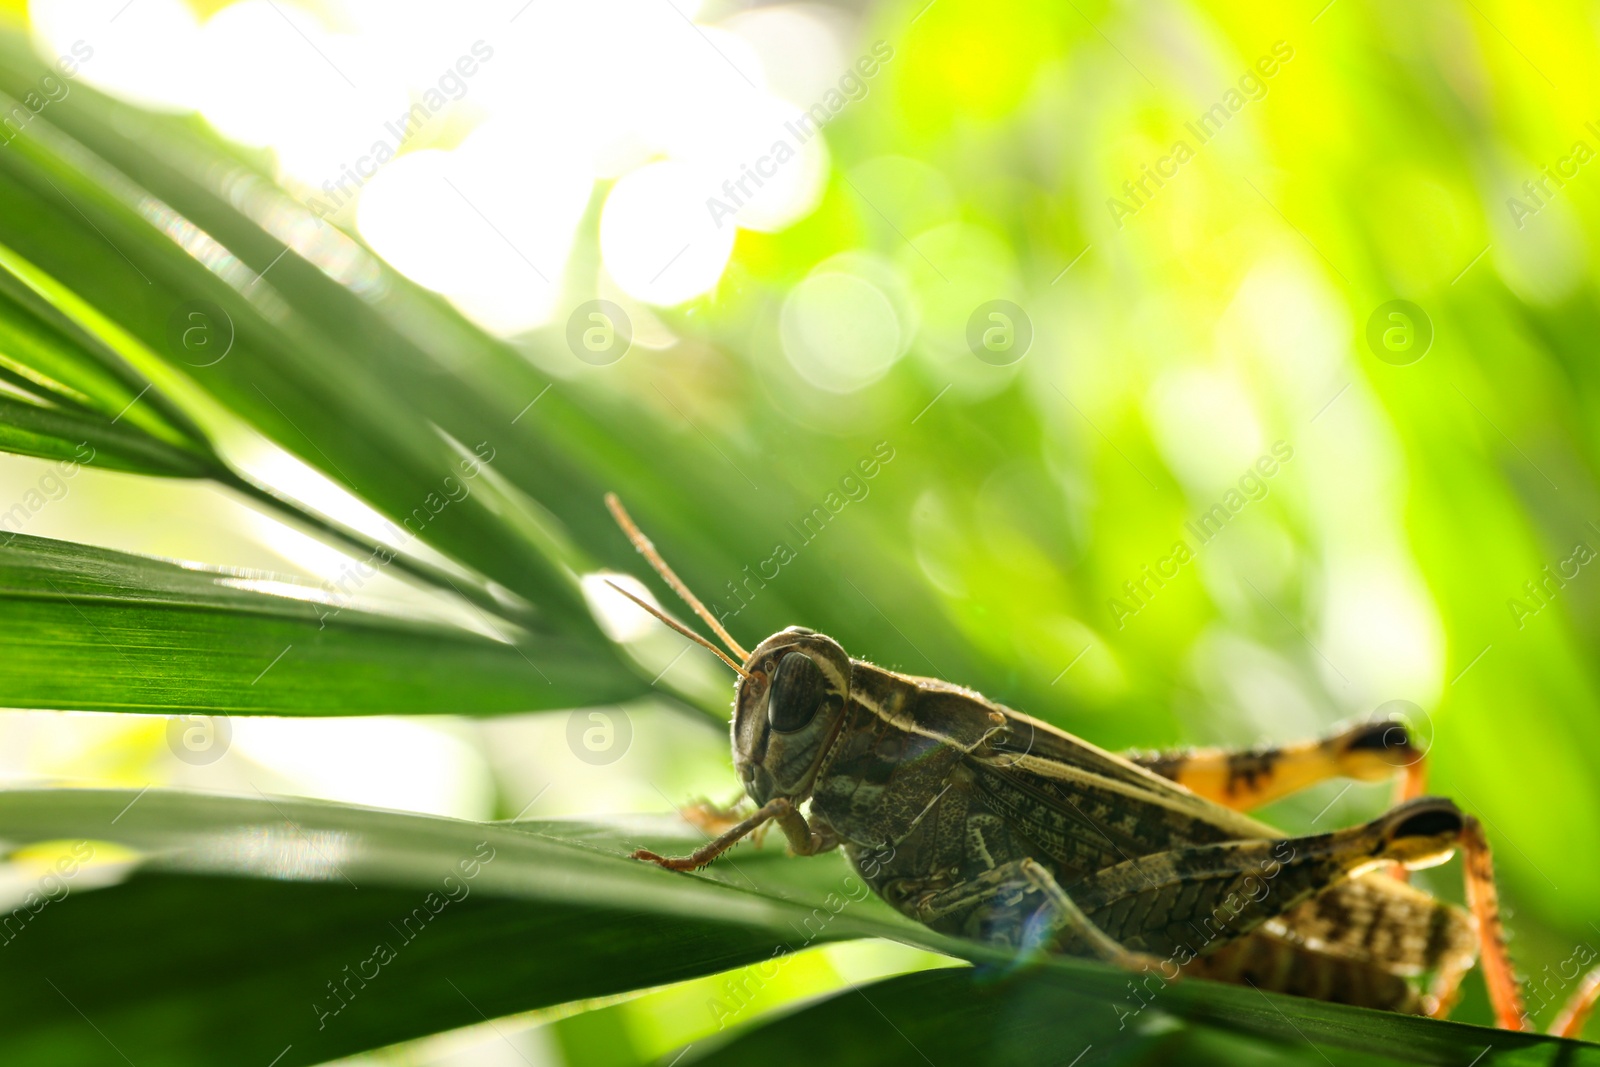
[1053, 1014]
[44, 344]
[74, 399]
[308, 355]
[72, 390]
[92, 629]
[247, 909]
[131, 225]
[76, 437]
[382, 386]
[222, 946]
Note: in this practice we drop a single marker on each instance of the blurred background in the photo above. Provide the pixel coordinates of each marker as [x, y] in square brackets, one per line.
[1182, 373]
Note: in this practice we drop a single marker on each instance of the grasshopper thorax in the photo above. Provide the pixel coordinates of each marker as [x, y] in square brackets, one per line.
[786, 712]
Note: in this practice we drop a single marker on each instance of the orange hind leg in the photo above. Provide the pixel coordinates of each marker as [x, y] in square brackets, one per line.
[1247, 778]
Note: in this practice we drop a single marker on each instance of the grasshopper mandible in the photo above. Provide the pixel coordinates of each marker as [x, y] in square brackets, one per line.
[1003, 828]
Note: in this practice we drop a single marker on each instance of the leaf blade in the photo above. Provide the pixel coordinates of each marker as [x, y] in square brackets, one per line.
[92, 629]
[559, 913]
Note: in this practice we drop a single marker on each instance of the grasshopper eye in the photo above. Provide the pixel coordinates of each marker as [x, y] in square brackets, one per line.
[798, 690]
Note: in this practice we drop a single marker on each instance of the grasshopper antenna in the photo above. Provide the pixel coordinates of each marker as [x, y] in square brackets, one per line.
[680, 627]
[648, 551]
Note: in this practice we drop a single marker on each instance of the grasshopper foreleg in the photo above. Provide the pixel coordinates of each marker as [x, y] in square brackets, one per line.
[804, 840]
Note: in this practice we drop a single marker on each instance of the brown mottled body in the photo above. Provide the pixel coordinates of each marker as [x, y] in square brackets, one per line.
[952, 789]
[983, 822]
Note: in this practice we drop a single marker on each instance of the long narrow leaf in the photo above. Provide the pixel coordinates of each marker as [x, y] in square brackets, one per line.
[274, 927]
[311, 365]
[1070, 1010]
[87, 628]
[247, 934]
[370, 379]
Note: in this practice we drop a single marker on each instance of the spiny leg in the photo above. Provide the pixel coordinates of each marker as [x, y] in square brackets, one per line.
[716, 819]
[1576, 1011]
[1418, 834]
[803, 839]
[1483, 900]
[1504, 993]
[1247, 778]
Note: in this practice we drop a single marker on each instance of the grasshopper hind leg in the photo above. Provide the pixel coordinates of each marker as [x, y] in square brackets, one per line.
[1243, 779]
[1217, 894]
[1504, 991]
[1576, 1011]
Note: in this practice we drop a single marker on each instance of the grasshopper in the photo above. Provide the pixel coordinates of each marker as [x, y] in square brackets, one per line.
[1000, 827]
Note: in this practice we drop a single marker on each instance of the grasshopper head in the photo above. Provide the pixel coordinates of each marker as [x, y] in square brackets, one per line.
[791, 695]
[787, 711]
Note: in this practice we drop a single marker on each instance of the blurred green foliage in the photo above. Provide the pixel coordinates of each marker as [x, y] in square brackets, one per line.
[1423, 535]
[1385, 159]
